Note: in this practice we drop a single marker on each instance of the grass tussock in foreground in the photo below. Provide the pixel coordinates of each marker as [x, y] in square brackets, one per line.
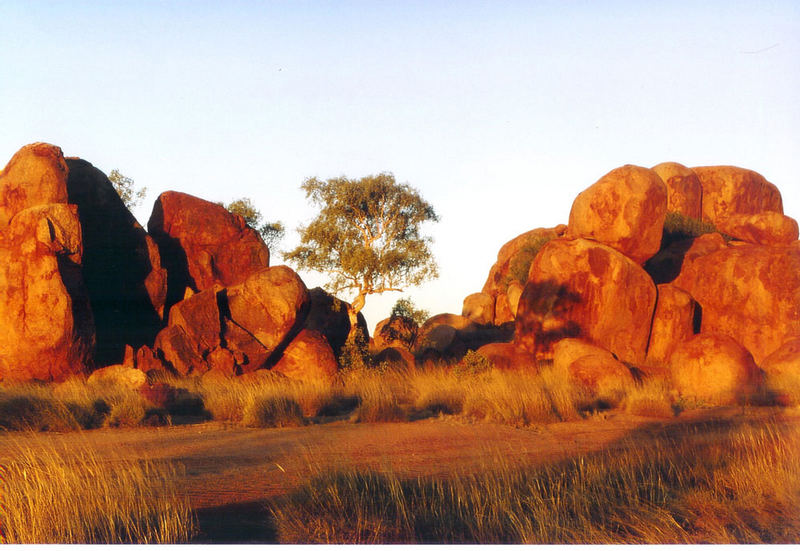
[58, 495]
[674, 488]
[470, 390]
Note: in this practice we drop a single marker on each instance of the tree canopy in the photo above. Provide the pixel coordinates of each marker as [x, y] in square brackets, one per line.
[271, 232]
[367, 236]
[126, 190]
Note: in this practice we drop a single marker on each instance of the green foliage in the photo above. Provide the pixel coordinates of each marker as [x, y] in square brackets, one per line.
[473, 363]
[521, 263]
[678, 227]
[405, 308]
[124, 186]
[366, 236]
[271, 232]
[354, 354]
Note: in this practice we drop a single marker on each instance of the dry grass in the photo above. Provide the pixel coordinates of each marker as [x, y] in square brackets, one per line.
[59, 495]
[674, 488]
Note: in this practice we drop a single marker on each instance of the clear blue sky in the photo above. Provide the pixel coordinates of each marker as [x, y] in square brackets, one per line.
[498, 112]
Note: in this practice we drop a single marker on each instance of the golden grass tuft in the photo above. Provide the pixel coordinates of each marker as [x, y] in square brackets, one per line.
[674, 487]
[59, 495]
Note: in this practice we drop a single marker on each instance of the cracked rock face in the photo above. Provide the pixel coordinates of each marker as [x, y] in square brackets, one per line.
[48, 328]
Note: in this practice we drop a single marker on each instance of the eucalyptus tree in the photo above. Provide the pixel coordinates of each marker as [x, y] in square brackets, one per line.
[271, 232]
[367, 237]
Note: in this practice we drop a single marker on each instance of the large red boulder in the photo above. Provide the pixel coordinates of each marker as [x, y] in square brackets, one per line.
[202, 244]
[714, 369]
[35, 175]
[748, 292]
[268, 305]
[479, 307]
[308, 358]
[580, 288]
[122, 269]
[729, 190]
[625, 210]
[47, 325]
[507, 356]
[763, 228]
[568, 350]
[684, 191]
[673, 323]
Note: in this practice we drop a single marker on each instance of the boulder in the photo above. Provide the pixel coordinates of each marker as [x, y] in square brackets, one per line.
[395, 331]
[763, 228]
[122, 269]
[502, 309]
[580, 288]
[713, 369]
[566, 351]
[48, 329]
[625, 210]
[452, 320]
[673, 323]
[513, 294]
[203, 244]
[479, 308]
[194, 331]
[729, 190]
[784, 361]
[118, 376]
[750, 293]
[507, 356]
[600, 374]
[328, 315]
[782, 373]
[396, 358]
[308, 358]
[269, 305]
[35, 175]
[684, 191]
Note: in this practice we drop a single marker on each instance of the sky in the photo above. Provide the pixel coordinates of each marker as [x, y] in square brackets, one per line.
[498, 112]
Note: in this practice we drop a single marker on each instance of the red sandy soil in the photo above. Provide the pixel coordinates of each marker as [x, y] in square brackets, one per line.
[230, 470]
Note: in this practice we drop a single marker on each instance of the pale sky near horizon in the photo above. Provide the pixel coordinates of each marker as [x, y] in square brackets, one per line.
[499, 113]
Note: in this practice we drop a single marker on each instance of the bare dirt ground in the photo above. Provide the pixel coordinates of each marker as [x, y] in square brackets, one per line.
[230, 471]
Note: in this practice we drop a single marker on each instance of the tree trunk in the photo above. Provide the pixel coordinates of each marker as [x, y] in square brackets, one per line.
[352, 313]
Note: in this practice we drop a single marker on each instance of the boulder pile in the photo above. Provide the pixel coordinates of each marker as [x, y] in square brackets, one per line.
[84, 289]
[690, 271]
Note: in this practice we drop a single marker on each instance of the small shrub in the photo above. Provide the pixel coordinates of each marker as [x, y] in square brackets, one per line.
[521, 263]
[126, 411]
[354, 354]
[473, 364]
[678, 227]
[272, 410]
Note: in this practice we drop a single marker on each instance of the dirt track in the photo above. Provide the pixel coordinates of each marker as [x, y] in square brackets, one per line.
[230, 471]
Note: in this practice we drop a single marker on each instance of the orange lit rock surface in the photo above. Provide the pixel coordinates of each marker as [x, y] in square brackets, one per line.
[600, 373]
[580, 288]
[308, 357]
[729, 190]
[714, 369]
[625, 210]
[763, 228]
[672, 323]
[35, 175]
[508, 356]
[47, 325]
[203, 244]
[684, 191]
[750, 293]
[479, 307]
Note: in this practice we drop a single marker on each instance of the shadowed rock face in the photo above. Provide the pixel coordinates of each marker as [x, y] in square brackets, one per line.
[121, 265]
[328, 316]
[203, 244]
